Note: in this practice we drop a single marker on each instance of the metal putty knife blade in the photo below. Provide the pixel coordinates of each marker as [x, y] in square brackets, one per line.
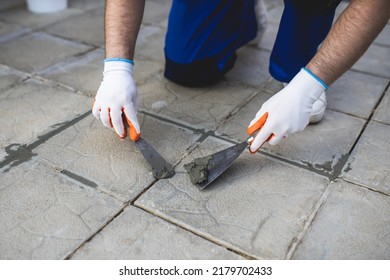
[221, 161]
[160, 167]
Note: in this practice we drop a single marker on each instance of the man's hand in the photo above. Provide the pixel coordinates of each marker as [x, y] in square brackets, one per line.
[286, 112]
[117, 95]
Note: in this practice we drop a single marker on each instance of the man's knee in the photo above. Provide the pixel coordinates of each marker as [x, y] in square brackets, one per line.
[197, 73]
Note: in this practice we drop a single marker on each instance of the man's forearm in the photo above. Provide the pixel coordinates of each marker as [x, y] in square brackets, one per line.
[122, 22]
[349, 38]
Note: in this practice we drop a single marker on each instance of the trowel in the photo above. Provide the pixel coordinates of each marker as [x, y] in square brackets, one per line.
[161, 169]
[205, 170]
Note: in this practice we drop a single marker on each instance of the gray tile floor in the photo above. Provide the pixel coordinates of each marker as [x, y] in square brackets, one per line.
[70, 189]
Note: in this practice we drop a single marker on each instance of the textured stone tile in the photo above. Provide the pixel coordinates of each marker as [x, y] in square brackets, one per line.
[269, 36]
[319, 146]
[22, 16]
[382, 113]
[87, 28]
[236, 126]
[84, 73]
[369, 163]
[274, 14]
[353, 223]
[37, 51]
[6, 4]
[375, 61]
[86, 4]
[251, 67]
[9, 31]
[202, 108]
[356, 94]
[384, 37]
[116, 166]
[150, 43]
[245, 207]
[156, 11]
[33, 107]
[138, 235]
[45, 216]
[8, 77]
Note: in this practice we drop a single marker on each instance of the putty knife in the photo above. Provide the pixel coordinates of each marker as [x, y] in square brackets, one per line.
[220, 161]
[160, 167]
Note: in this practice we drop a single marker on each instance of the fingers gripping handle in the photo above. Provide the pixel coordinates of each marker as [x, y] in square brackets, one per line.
[257, 127]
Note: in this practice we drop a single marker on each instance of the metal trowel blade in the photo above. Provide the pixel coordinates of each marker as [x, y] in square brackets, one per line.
[160, 167]
[221, 161]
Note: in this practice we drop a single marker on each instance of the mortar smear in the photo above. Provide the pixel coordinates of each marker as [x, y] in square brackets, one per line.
[198, 169]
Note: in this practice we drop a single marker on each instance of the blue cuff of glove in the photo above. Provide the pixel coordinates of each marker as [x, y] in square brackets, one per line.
[119, 59]
[315, 77]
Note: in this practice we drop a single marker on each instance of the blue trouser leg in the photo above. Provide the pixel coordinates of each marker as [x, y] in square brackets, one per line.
[203, 36]
[300, 33]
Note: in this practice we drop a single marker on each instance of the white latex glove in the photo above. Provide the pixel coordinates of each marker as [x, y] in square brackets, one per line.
[286, 112]
[117, 94]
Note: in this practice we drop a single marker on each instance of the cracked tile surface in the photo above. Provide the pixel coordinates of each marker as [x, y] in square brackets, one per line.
[32, 107]
[70, 188]
[199, 107]
[21, 53]
[350, 225]
[87, 28]
[45, 216]
[243, 215]
[319, 146]
[116, 166]
[136, 234]
[369, 163]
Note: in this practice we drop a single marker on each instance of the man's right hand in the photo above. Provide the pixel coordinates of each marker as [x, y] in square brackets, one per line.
[118, 95]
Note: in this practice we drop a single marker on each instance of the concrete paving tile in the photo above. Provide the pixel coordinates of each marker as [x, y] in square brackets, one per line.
[156, 11]
[251, 67]
[269, 36]
[369, 163]
[84, 73]
[86, 4]
[356, 94]
[353, 223]
[319, 146]
[375, 61]
[22, 16]
[274, 14]
[135, 234]
[37, 51]
[235, 127]
[87, 27]
[245, 207]
[116, 166]
[382, 113]
[6, 4]
[384, 37]
[201, 108]
[45, 216]
[150, 43]
[8, 77]
[9, 31]
[32, 107]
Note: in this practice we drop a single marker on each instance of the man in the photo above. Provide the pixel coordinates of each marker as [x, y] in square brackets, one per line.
[201, 42]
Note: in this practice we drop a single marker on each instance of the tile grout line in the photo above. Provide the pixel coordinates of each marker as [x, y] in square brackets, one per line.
[188, 229]
[308, 223]
[360, 185]
[296, 241]
[24, 152]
